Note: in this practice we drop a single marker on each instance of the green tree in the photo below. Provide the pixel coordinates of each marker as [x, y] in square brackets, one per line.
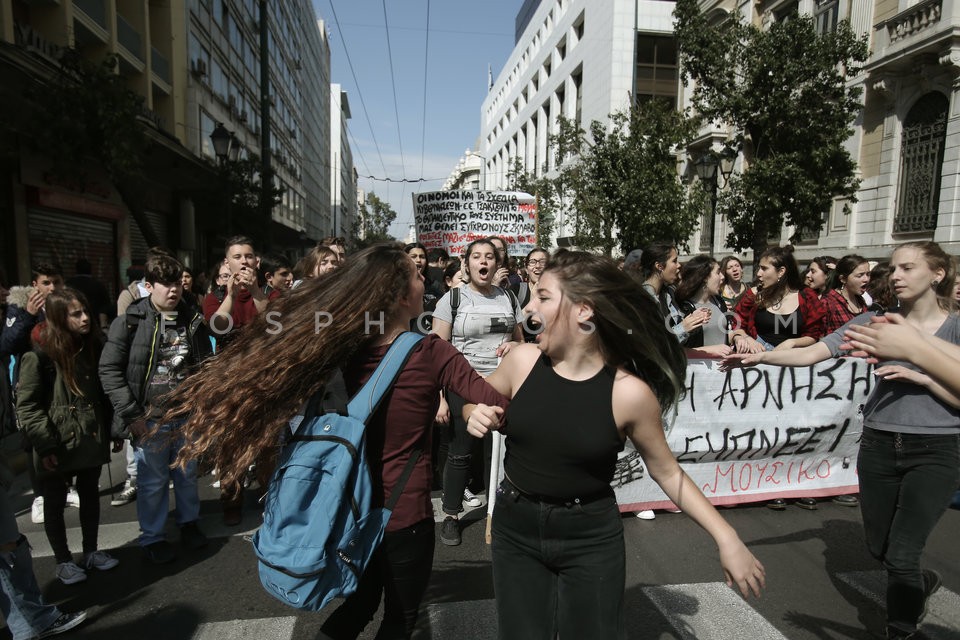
[785, 91]
[622, 178]
[375, 219]
[549, 195]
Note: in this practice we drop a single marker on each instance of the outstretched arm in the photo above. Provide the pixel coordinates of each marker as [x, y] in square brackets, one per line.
[636, 408]
[889, 337]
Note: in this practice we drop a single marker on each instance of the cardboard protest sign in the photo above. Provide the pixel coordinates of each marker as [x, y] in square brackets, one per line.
[451, 220]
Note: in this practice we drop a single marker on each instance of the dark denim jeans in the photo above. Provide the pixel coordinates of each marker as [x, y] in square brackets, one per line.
[558, 568]
[399, 571]
[906, 483]
[456, 472]
[54, 488]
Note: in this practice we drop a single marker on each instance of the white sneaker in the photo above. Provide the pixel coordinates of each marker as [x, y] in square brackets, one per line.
[70, 573]
[36, 510]
[100, 560]
[73, 498]
[646, 514]
[128, 495]
[470, 499]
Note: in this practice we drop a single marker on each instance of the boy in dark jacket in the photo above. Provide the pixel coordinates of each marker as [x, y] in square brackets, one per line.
[150, 350]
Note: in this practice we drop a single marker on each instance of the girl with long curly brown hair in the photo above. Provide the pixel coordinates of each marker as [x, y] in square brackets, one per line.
[66, 417]
[345, 320]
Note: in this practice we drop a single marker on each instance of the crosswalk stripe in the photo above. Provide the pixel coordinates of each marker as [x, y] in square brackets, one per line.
[710, 611]
[943, 610]
[273, 628]
[470, 620]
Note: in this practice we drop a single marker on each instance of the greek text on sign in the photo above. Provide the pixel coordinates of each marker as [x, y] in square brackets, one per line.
[451, 220]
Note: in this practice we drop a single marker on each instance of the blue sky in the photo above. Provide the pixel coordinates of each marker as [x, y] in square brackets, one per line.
[464, 38]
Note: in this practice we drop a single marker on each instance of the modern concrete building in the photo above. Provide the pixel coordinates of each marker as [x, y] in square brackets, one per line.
[343, 175]
[582, 59]
[195, 63]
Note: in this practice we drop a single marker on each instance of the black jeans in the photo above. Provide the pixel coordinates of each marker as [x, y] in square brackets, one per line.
[457, 470]
[53, 487]
[558, 568]
[906, 484]
[399, 571]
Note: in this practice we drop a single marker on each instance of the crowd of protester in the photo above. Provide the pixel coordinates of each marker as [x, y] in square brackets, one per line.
[506, 351]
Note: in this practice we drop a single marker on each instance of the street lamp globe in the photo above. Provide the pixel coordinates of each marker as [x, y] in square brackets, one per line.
[221, 141]
[706, 168]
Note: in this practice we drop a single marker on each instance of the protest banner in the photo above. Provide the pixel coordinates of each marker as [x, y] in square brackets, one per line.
[451, 220]
[757, 433]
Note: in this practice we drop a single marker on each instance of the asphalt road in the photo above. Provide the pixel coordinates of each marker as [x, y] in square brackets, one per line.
[821, 583]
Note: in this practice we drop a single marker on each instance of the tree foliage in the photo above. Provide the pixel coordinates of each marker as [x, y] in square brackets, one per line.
[374, 221]
[549, 195]
[785, 92]
[622, 178]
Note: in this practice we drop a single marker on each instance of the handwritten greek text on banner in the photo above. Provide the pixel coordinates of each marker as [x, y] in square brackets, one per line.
[759, 433]
[451, 220]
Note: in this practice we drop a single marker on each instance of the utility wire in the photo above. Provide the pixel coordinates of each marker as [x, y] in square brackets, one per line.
[366, 115]
[426, 58]
[393, 82]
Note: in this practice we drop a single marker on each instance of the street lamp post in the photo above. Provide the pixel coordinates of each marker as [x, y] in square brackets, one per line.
[226, 146]
[706, 167]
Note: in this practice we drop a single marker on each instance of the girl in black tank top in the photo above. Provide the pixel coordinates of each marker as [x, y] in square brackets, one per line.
[568, 447]
[604, 368]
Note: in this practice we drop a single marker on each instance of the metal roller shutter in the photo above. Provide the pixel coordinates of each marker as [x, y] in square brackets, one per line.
[138, 244]
[60, 238]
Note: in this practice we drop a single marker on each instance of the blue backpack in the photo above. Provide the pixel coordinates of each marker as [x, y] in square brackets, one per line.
[319, 526]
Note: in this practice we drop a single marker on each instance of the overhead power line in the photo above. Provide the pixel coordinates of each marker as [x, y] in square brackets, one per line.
[393, 82]
[366, 115]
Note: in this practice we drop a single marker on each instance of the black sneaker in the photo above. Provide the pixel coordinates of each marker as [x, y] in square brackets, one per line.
[846, 500]
[160, 552]
[777, 505]
[807, 503]
[191, 537]
[931, 584]
[65, 622]
[450, 532]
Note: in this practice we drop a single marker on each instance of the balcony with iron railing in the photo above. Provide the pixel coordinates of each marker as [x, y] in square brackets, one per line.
[922, 28]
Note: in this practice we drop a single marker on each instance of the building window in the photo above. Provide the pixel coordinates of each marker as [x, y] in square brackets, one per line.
[206, 128]
[656, 69]
[825, 15]
[921, 163]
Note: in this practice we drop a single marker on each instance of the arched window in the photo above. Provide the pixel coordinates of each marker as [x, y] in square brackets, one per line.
[924, 136]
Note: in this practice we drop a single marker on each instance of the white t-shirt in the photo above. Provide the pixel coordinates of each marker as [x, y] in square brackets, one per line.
[483, 323]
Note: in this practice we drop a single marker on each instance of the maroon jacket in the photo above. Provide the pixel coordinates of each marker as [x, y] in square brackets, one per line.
[405, 419]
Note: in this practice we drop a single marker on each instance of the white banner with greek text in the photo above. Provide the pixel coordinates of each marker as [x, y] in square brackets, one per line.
[759, 433]
[451, 220]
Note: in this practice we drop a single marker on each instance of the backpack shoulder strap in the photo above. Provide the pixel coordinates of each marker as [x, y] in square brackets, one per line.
[523, 295]
[364, 404]
[454, 304]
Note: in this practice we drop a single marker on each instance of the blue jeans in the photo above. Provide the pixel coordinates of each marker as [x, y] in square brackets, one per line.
[21, 603]
[154, 455]
[906, 483]
[558, 568]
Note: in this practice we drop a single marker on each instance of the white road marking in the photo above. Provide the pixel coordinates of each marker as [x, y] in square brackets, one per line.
[710, 611]
[272, 628]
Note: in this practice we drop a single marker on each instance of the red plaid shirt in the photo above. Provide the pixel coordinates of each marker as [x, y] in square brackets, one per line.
[811, 314]
[838, 312]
